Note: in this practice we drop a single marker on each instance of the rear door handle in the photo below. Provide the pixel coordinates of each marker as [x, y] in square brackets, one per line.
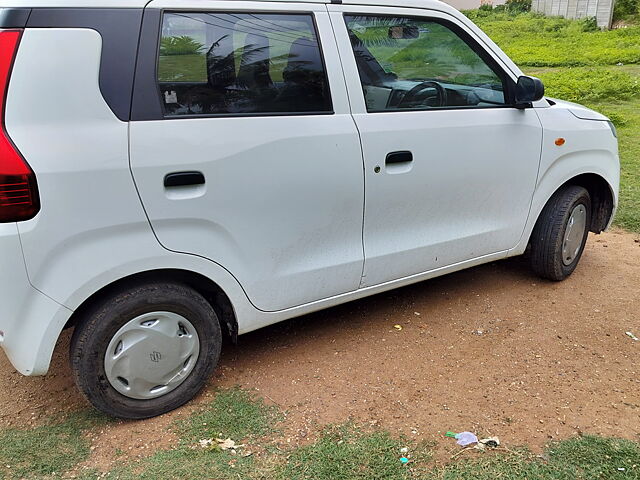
[404, 156]
[183, 179]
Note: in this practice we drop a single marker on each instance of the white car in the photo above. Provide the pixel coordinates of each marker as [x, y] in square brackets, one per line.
[174, 171]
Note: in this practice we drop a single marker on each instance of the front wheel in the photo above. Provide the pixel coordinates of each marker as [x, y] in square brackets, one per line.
[560, 235]
[146, 350]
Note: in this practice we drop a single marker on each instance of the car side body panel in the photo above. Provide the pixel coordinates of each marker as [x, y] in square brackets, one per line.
[28, 321]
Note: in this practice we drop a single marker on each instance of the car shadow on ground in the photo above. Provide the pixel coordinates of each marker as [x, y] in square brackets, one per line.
[340, 318]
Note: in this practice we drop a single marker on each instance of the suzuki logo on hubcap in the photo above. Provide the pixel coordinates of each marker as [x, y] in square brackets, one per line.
[155, 356]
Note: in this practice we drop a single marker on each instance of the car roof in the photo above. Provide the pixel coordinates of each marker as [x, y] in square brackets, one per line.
[428, 4]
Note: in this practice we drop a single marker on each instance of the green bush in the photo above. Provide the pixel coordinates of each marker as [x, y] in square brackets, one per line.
[518, 6]
[589, 24]
[183, 45]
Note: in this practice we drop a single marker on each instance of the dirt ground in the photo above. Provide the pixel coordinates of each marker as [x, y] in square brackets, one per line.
[492, 349]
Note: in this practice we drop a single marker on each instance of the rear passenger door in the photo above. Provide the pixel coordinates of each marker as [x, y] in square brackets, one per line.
[243, 148]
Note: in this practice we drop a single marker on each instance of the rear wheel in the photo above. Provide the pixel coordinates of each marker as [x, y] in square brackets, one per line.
[146, 350]
[560, 235]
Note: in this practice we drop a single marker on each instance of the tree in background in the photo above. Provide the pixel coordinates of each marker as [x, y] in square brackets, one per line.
[519, 6]
[623, 9]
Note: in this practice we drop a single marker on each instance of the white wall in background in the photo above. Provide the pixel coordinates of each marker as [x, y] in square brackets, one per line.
[601, 9]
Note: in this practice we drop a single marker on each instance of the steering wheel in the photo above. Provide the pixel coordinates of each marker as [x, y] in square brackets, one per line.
[411, 95]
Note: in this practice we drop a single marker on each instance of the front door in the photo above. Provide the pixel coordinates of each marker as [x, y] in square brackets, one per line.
[254, 161]
[450, 167]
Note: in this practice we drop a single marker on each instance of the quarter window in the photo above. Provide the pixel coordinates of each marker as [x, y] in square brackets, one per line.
[415, 64]
[241, 63]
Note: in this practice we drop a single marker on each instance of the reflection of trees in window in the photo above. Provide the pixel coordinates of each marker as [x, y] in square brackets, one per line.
[438, 53]
[247, 63]
[180, 45]
[221, 66]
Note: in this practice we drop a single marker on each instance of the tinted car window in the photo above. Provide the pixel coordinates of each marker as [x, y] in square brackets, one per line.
[240, 63]
[416, 64]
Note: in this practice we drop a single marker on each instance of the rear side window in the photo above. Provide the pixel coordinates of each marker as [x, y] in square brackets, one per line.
[241, 63]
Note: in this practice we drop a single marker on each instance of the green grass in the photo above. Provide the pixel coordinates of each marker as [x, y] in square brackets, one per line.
[182, 68]
[339, 452]
[589, 84]
[597, 457]
[629, 210]
[343, 452]
[234, 413]
[582, 458]
[534, 40]
[48, 450]
[188, 463]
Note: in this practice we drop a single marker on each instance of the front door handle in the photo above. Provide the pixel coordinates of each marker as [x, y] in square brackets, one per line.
[404, 156]
[184, 179]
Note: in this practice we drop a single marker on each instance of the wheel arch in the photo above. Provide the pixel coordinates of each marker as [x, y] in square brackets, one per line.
[206, 287]
[602, 199]
[601, 185]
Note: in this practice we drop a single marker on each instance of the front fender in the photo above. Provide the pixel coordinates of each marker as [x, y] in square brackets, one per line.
[589, 148]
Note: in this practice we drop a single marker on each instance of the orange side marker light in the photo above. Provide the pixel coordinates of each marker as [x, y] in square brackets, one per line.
[560, 141]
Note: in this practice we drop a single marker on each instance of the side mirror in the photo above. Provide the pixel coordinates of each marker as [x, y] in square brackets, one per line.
[404, 32]
[529, 89]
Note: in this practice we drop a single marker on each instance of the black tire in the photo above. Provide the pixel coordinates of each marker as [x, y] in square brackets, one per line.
[548, 234]
[103, 320]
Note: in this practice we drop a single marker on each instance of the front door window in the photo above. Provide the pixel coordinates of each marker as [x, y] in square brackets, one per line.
[416, 64]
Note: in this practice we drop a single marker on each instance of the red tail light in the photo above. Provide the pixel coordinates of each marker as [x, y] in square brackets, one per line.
[19, 199]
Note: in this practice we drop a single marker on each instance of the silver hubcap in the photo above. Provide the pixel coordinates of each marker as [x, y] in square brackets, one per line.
[574, 234]
[151, 355]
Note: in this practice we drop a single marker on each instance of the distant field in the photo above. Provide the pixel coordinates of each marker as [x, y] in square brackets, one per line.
[538, 41]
